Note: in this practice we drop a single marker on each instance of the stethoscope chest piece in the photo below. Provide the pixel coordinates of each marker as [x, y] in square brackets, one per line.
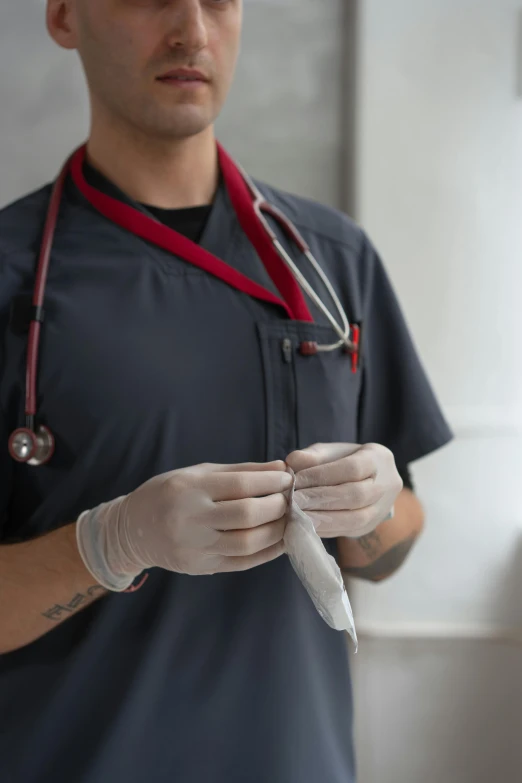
[32, 448]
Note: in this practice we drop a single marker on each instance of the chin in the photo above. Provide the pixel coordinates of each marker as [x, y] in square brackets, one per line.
[183, 123]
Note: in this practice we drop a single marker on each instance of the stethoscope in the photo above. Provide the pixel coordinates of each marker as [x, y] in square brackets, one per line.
[34, 445]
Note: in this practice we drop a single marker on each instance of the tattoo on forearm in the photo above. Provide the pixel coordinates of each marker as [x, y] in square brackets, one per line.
[59, 612]
[371, 544]
[386, 564]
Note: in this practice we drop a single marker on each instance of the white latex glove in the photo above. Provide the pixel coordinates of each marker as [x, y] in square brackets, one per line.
[200, 520]
[346, 489]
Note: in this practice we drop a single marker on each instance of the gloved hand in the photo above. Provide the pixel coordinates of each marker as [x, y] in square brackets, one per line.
[346, 489]
[200, 520]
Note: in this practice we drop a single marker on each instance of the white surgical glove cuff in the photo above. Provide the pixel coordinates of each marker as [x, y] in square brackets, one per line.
[99, 545]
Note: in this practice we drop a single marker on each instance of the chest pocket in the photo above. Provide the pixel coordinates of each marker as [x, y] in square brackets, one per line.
[309, 399]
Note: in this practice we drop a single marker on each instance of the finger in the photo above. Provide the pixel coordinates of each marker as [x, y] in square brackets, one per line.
[251, 467]
[206, 468]
[349, 524]
[243, 543]
[241, 485]
[357, 467]
[320, 454]
[249, 513]
[343, 497]
[253, 561]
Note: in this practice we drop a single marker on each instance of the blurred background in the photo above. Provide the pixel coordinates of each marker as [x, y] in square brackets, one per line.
[407, 114]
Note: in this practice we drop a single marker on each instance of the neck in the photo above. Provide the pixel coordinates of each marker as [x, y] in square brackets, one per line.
[167, 174]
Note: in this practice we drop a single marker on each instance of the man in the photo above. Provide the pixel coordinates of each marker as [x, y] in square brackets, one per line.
[177, 398]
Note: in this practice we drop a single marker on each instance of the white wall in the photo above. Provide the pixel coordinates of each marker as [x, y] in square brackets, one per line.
[440, 191]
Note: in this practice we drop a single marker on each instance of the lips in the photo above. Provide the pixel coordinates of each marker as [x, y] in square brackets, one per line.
[183, 75]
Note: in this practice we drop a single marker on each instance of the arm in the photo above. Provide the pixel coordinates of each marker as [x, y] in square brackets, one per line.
[379, 554]
[202, 520]
[42, 583]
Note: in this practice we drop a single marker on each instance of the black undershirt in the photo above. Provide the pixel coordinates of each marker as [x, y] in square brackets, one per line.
[190, 222]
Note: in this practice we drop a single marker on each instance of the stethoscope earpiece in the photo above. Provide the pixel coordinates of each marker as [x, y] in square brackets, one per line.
[32, 448]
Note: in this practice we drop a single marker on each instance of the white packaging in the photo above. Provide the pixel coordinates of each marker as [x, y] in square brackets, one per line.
[317, 570]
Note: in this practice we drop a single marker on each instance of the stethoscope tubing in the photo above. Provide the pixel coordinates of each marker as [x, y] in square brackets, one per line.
[36, 447]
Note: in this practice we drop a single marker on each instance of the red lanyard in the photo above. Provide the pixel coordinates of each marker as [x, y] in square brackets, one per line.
[140, 224]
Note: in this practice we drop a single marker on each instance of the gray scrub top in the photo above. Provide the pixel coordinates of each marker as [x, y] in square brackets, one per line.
[148, 364]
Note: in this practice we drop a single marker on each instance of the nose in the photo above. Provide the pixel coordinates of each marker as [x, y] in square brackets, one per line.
[187, 28]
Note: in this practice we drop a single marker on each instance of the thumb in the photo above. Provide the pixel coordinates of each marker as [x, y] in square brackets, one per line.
[320, 454]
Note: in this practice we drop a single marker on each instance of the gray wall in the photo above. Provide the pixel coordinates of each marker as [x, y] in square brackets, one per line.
[43, 111]
[283, 120]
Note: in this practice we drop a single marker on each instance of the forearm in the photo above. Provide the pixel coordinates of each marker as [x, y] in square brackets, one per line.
[380, 554]
[42, 583]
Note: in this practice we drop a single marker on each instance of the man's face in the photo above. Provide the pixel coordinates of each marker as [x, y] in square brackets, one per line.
[163, 67]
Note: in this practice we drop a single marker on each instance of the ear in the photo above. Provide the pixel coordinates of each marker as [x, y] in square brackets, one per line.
[60, 20]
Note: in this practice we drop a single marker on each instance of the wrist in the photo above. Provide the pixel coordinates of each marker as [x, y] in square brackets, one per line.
[100, 547]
